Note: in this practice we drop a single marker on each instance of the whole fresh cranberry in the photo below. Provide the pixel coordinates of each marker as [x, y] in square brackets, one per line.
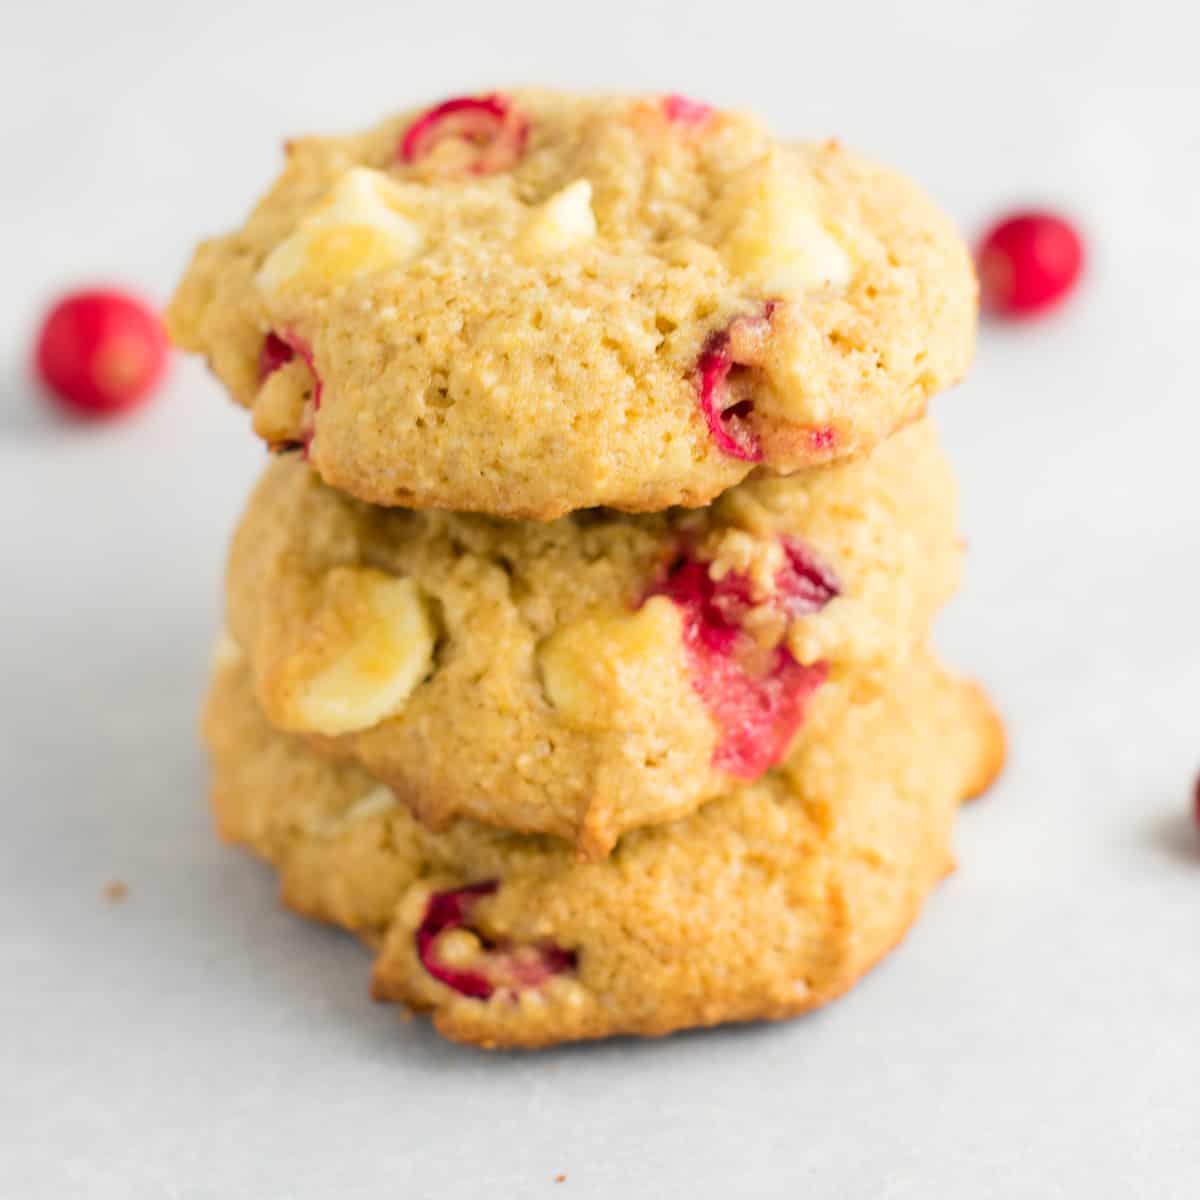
[1028, 263]
[101, 352]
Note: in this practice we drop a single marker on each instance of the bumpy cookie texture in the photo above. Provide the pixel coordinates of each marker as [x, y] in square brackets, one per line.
[600, 672]
[532, 303]
[764, 903]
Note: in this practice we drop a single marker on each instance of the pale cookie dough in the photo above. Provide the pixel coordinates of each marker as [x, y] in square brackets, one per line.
[601, 672]
[534, 303]
[762, 904]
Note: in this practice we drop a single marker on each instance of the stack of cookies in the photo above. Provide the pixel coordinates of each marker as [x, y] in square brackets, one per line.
[577, 654]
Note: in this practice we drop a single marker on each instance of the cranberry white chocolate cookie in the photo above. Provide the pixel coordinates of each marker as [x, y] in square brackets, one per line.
[532, 302]
[766, 902]
[600, 672]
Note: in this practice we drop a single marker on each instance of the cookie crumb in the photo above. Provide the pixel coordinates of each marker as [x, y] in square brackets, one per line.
[116, 891]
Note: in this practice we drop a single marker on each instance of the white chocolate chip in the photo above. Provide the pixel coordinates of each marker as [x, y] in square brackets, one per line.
[772, 234]
[356, 229]
[378, 800]
[226, 653]
[458, 948]
[565, 990]
[563, 221]
[530, 1000]
[589, 666]
[389, 651]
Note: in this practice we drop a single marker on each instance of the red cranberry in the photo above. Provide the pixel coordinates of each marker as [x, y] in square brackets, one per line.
[100, 353]
[1028, 263]
[822, 437]
[683, 111]
[554, 960]
[758, 716]
[713, 610]
[758, 709]
[445, 911]
[510, 968]
[803, 584]
[275, 353]
[726, 409]
[489, 124]
[727, 424]
[277, 350]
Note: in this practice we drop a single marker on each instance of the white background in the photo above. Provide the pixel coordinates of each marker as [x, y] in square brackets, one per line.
[1039, 1033]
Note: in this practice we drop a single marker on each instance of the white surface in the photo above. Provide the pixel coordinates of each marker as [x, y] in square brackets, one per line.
[1037, 1035]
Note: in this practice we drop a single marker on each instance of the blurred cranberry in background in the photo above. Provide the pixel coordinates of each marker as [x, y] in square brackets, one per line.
[101, 352]
[1029, 262]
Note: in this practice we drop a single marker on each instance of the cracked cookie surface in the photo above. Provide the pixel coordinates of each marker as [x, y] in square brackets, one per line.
[531, 303]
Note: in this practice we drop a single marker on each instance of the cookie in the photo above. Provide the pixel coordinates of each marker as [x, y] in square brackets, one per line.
[604, 671]
[764, 903]
[531, 303]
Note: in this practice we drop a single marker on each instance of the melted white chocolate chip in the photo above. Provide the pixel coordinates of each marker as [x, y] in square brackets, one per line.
[379, 800]
[563, 221]
[226, 653]
[355, 229]
[389, 651]
[459, 949]
[589, 666]
[773, 236]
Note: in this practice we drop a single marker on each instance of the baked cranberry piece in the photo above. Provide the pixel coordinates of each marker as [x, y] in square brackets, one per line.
[490, 131]
[501, 966]
[823, 437]
[757, 698]
[803, 584]
[446, 911]
[100, 353]
[1028, 263]
[725, 383]
[683, 111]
[758, 714]
[277, 351]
